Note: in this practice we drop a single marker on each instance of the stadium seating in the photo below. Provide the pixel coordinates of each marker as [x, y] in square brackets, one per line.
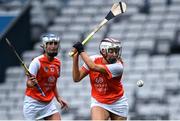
[146, 39]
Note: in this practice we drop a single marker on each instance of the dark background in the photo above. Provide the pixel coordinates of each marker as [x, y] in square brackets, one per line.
[18, 32]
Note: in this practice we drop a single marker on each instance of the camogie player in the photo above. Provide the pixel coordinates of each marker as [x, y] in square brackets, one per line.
[108, 100]
[45, 70]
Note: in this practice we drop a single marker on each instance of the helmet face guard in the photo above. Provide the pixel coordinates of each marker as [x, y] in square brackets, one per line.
[47, 38]
[110, 46]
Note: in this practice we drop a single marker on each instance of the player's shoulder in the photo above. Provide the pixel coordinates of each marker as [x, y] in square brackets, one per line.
[94, 57]
[36, 61]
[40, 56]
[37, 58]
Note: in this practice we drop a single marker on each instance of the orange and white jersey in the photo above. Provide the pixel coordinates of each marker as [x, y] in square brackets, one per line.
[46, 72]
[106, 88]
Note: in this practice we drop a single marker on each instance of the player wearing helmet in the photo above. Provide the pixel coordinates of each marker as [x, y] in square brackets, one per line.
[110, 45]
[50, 38]
[45, 70]
[108, 100]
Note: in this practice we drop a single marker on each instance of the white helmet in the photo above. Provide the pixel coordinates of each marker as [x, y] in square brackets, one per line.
[110, 43]
[49, 37]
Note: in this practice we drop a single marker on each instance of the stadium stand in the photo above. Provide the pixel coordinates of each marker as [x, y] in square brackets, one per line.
[149, 54]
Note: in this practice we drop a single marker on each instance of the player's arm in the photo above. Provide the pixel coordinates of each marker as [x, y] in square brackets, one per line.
[91, 65]
[56, 94]
[33, 68]
[59, 99]
[78, 74]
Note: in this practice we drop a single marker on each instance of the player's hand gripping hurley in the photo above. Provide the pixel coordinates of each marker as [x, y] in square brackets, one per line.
[116, 9]
[24, 66]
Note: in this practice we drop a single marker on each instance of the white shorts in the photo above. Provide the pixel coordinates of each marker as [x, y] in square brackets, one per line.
[120, 107]
[34, 109]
